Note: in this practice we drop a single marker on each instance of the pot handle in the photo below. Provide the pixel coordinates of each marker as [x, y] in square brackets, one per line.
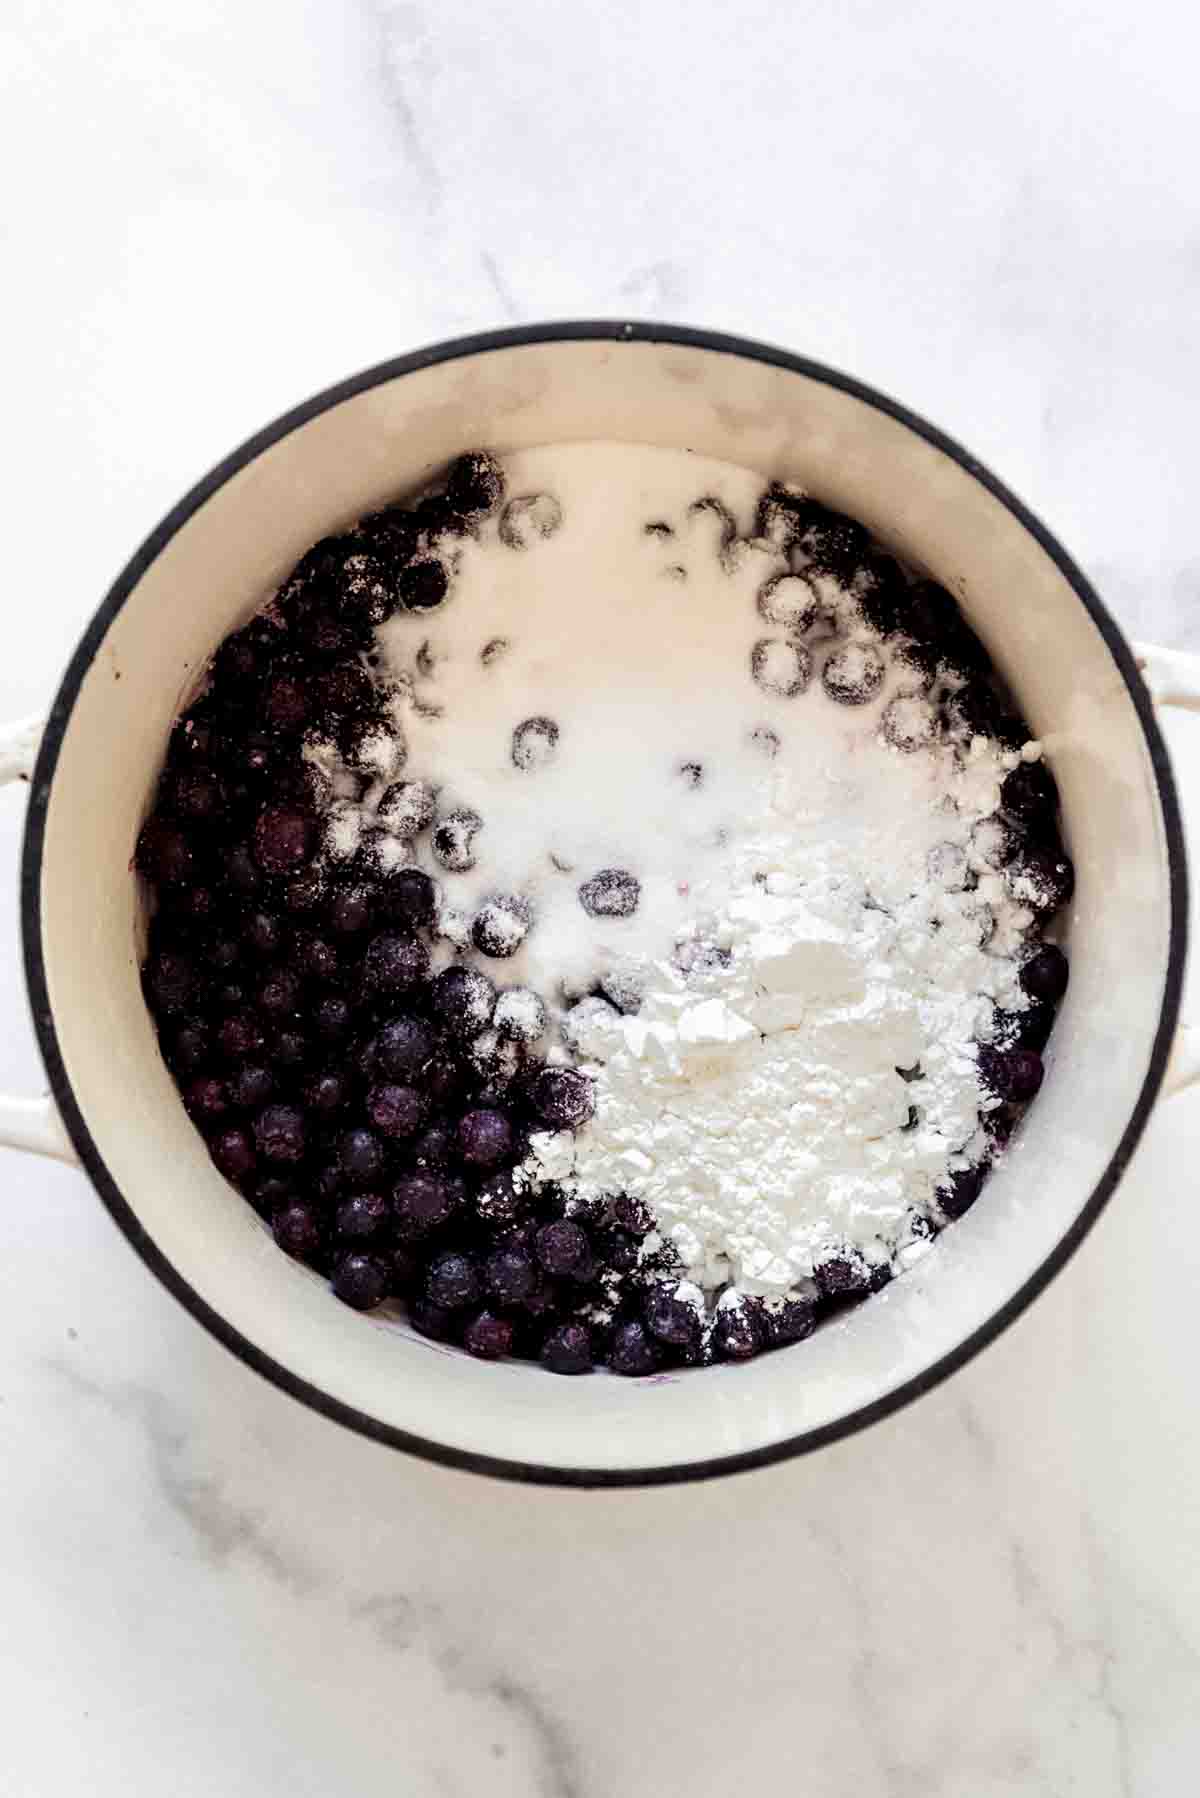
[32, 1124]
[1173, 678]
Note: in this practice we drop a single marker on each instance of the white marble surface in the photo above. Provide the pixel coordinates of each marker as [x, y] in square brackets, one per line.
[214, 208]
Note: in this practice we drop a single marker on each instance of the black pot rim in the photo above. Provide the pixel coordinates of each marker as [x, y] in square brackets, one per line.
[126, 1218]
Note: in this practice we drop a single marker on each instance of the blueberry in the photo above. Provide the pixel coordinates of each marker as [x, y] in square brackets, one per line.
[462, 999]
[843, 1276]
[279, 1133]
[493, 649]
[395, 1111]
[434, 1147]
[672, 1321]
[164, 852]
[432, 1320]
[789, 601]
[304, 893]
[1012, 1074]
[240, 1035]
[484, 1136]
[360, 1155]
[885, 603]
[935, 619]
[403, 1271]
[691, 774]
[409, 897]
[251, 1086]
[520, 1015]
[206, 1098]
[284, 839]
[351, 910]
[327, 1184]
[233, 1151]
[737, 1331]
[781, 668]
[568, 1349]
[279, 993]
[272, 1194]
[262, 934]
[833, 543]
[1041, 878]
[564, 1250]
[790, 1318]
[501, 925]
[782, 515]
[509, 1276]
[612, 893]
[1044, 976]
[624, 986]
[528, 518]
[475, 482]
[326, 1093]
[764, 741]
[633, 1350]
[331, 1017]
[908, 722]
[437, 516]
[423, 585]
[853, 674]
[452, 1280]
[403, 1046]
[563, 1097]
[297, 1230]
[393, 963]
[190, 1049]
[290, 1048]
[361, 1216]
[1028, 793]
[286, 704]
[391, 533]
[489, 1337]
[534, 743]
[423, 1202]
[961, 1190]
[344, 691]
[407, 808]
[452, 838]
[630, 1214]
[360, 1282]
[170, 978]
[498, 1200]
[194, 792]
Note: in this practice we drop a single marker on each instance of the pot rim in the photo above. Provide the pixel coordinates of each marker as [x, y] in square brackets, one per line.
[123, 1213]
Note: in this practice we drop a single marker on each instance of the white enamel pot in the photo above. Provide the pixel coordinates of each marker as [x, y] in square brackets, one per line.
[213, 561]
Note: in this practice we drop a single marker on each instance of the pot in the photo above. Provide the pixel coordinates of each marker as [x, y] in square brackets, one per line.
[213, 561]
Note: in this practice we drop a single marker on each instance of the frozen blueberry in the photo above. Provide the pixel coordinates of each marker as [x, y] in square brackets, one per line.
[360, 1282]
[563, 1097]
[509, 1276]
[194, 792]
[279, 993]
[1041, 878]
[564, 1250]
[624, 985]
[936, 619]
[289, 1048]
[360, 1156]
[286, 704]
[251, 1086]
[497, 1061]
[452, 839]
[961, 1191]
[190, 1049]
[332, 1016]
[791, 1317]
[884, 595]
[206, 1098]
[326, 1093]
[395, 1111]
[908, 722]
[279, 1133]
[672, 1320]
[633, 1350]
[853, 674]
[462, 1000]
[304, 893]
[361, 1216]
[1044, 976]
[437, 516]
[407, 807]
[409, 897]
[484, 1136]
[403, 1046]
[519, 1015]
[284, 839]
[435, 1147]
[233, 1151]
[452, 1280]
[488, 1336]
[568, 1349]
[1028, 794]
[691, 774]
[764, 741]
[423, 1202]
[788, 600]
[433, 1320]
[534, 743]
[737, 1331]
[262, 934]
[630, 1214]
[843, 1276]
[783, 514]
[781, 668]
[164, 852]
[612, 893]
[403, 1270]
[170, 978]
[423, 585]
[501, 925]
[394, 963]
[833, 543]
[297, 1230]
[475, 482]
[1012, 1074]
[528, 518]
[240, 1035]
[392, 533]
[351, 910]
[498, 1200]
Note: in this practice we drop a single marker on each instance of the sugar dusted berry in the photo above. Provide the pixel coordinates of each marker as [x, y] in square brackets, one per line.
[462, 1000]
[453, 836]
[534, 743]
[612, 893]
[485, 1136]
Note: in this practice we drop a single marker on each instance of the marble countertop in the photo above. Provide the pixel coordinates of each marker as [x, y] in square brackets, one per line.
[222, 205]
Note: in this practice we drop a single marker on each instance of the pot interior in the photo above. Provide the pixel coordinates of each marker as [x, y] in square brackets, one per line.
[221, 563]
